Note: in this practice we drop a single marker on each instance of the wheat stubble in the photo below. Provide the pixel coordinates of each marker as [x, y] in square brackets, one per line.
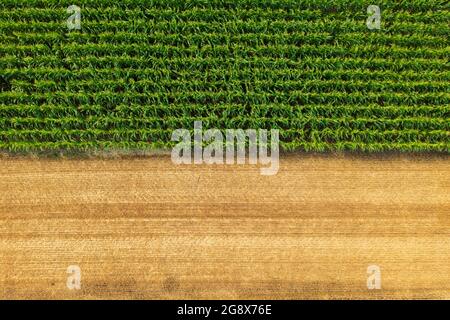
[145, 228]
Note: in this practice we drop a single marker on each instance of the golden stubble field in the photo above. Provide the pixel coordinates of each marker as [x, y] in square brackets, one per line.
[147, 229]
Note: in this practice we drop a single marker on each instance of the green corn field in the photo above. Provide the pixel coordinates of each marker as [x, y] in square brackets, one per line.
[140, 69]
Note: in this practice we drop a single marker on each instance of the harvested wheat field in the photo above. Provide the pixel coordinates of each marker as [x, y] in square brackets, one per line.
[146, 228]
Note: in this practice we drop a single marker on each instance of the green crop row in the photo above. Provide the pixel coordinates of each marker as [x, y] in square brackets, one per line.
[231, 27]
[140, 69]
[151, 135]
[225, 111]
[212, 14]
[296, 97]
[195, 64]
[324, 5]
[61, 75]
[247, 122]
[227, 51]
[133, 147]
[124, 147]
[208, 39]
[257, 86]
